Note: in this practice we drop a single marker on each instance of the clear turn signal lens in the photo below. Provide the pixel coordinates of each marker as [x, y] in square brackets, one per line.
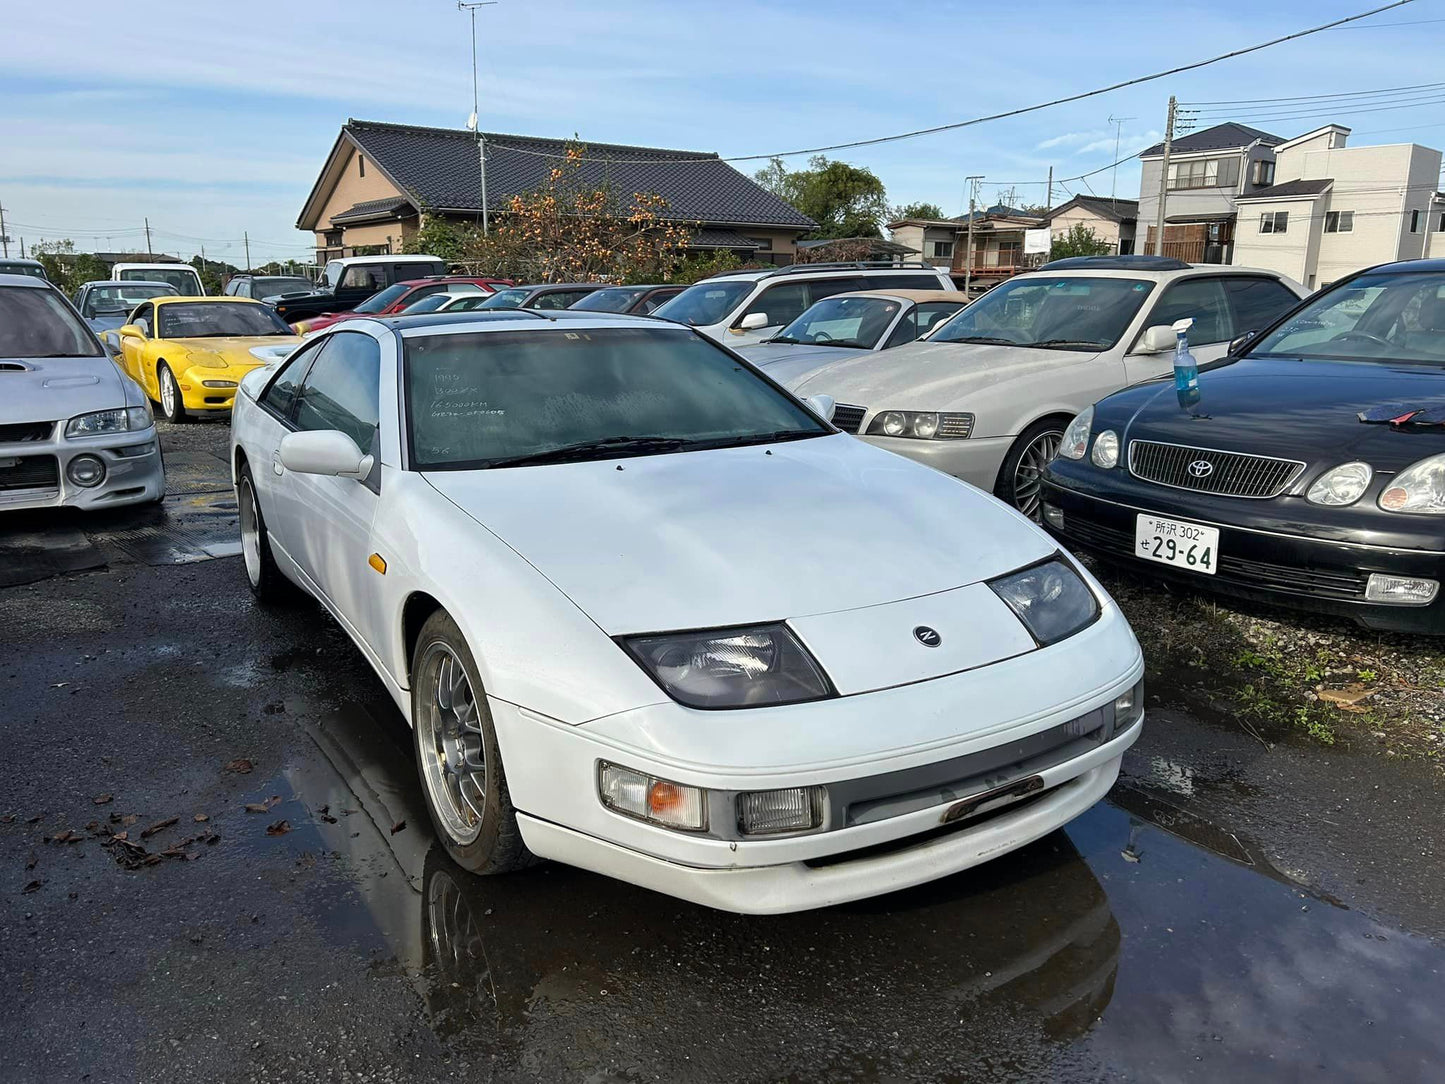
[647, 798]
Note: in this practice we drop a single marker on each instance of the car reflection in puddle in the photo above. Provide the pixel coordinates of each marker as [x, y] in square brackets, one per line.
[497, 959]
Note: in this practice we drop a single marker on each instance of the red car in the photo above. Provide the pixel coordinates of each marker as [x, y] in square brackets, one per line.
[399, 295]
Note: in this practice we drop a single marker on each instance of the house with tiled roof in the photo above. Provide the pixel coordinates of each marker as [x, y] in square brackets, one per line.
[380, 179]
[998, 242]
[1208, 171]
[1112, 221]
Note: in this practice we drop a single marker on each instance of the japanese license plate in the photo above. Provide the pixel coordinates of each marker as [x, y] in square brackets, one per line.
[1174, 542]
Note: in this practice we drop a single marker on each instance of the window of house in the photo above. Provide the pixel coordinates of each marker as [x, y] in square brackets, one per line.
[765, 244]
[333, 238]
[1339, 221]
[1204, 173]
[1274, 222]
[1263, 173]
[360, 166]
[1440, 223]
[1415, 221]
[941, 249]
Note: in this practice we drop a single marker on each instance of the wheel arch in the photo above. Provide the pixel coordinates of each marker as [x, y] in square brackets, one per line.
[419, 606]
[1062, 416]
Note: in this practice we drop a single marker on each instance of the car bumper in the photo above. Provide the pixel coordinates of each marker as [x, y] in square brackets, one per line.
[133, 472]
[891, 820]
[1285, 568]
[976, 461]
[197, 396]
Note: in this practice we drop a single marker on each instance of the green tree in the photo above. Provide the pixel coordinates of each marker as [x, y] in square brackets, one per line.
[1079, 241]
[67, 268]
[843, 199]
[916, 210]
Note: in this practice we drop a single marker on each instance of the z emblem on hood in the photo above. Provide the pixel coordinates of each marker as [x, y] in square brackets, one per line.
[1201, 468]
[926, 636]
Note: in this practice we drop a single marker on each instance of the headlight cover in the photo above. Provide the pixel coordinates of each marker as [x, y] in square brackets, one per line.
[1343, 485]
[921, 425]
[1050, 598]
[1106, 450]
[121, 420]
[731, 668]
[208, 359]
[1076, 436]
[1419, 488]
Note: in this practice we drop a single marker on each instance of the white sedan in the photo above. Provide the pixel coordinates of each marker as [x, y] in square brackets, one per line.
[650, 615]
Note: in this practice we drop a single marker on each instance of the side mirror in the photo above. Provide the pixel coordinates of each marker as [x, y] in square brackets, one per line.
[324, 451]
[1238, 345]
[752, 321]
[1157, 339]
[131, 329]
[821, 405]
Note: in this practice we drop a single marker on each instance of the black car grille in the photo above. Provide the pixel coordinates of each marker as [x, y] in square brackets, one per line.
[1321, 583]
[25, 432]
[848, 418]
[29, 472]
[1208, 470]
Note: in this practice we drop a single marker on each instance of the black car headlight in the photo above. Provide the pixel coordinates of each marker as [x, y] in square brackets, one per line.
[1050, 598]
[731, 668]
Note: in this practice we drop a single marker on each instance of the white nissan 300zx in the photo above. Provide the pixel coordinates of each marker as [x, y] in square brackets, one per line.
[650, 615]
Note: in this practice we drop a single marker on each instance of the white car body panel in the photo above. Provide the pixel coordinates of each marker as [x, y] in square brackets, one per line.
[541, 566]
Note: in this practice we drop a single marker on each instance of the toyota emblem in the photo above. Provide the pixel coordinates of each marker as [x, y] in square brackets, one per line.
[1201, 468]
[926, 636]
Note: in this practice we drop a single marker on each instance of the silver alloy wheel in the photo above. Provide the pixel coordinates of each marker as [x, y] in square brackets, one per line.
[449, 737]
[250, 518]
[1026, 485]
[168, 393]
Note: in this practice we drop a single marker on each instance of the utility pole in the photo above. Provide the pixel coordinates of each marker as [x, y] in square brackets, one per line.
[4, 237]
[246, 239]
[148, 238]
[1118, 123]
[973, 183]
[1164, 177]
[472, 121]
[1049, 199]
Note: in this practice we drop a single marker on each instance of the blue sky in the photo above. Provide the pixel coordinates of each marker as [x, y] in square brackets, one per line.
[214, 119]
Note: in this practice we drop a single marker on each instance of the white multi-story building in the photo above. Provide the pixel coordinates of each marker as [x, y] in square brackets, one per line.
[1335, 209]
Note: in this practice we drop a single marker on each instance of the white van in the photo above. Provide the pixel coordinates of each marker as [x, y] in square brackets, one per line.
[180, 275]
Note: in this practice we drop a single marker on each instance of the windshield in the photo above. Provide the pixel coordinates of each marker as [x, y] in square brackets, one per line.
[379, 301]
[465, 302]
[1054, 311]
[1386, 318]
[509, 398]
[842, 321]
[433, 302]
[612, 299]
[121, 297]
[270, 286]
[183, 278]
[208, 319]
[706, 303]
[505, 299]
[36, 323]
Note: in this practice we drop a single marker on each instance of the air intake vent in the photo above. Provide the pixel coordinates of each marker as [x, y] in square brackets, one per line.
[25, 432]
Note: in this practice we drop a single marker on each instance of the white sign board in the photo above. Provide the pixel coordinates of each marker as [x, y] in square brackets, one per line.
[1037, 240]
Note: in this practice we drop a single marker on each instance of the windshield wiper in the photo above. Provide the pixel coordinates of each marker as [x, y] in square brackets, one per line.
[775, 437]
[781, 339]
[594, 449]
[852, 344]
[987, 340]
[1090, 343]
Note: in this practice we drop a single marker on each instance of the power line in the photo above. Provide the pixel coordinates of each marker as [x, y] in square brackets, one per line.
[1315, 97]
[916, 133]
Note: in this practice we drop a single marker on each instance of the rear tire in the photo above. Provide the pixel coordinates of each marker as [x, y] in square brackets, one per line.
[173, 407]
[1019, 477]
[265, 578]
[457, 755]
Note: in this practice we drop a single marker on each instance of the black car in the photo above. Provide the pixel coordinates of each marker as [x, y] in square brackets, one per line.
[639, 300]
[1310, 471]
[347, 282]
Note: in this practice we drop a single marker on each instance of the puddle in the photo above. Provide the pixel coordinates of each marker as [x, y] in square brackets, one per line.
[1195, 959]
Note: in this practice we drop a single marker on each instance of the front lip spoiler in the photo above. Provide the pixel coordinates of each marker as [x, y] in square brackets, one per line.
[1311, 538]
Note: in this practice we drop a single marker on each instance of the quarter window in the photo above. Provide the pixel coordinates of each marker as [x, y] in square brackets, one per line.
[1274, 222]
[1200, 299]
[1339, 221]
[342, 389]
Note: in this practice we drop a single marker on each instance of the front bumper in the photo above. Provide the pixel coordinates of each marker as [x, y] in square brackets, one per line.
[198, 397]
[133, 471]
[975, 460]
[1281, 566]
[887, 824]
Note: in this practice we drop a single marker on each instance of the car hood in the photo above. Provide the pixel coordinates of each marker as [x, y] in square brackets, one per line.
[933, 376]
[745, 535]
[106, 323]
[1295, 409]
[788, 363]
[50, 389]
[236, 349]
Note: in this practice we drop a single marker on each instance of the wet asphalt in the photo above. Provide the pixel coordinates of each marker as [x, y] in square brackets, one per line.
[1233, 911]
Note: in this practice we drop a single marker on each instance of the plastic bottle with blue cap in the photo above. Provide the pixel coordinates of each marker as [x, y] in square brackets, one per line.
[1186, 370]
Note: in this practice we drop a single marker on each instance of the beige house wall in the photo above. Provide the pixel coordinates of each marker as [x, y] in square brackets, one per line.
[1104, 229]
[1294, 252]
[353, 188]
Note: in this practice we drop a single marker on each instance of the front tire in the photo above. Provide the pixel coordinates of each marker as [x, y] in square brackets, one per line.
[1019, 479]
[457, 754]
[265, 578]
[173, 407]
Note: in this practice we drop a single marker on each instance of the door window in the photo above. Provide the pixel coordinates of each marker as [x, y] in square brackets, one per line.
[363, 276]
[558, 299]
[144, 318]
[280, 394]
[782, 303]
[1201, 300]
[342, 389]
[1257, 301]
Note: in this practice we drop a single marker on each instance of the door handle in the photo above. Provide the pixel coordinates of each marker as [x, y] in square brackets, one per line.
[276, 463]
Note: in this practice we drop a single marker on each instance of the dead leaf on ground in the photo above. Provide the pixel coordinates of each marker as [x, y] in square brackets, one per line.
[32, 861]
[158, 827]
[120, 835]
[278, 828]
[200, 818]
[129, 819]
[257, 807]
[32, 820]
[397, 827]
[328, 818]
[241, 766]
[103, 799]
[32, 886]
[8, 818]
[1346, 698]
[70, 835]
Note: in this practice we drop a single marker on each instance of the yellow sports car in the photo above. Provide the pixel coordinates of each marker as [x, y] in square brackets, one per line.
[189, 353]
